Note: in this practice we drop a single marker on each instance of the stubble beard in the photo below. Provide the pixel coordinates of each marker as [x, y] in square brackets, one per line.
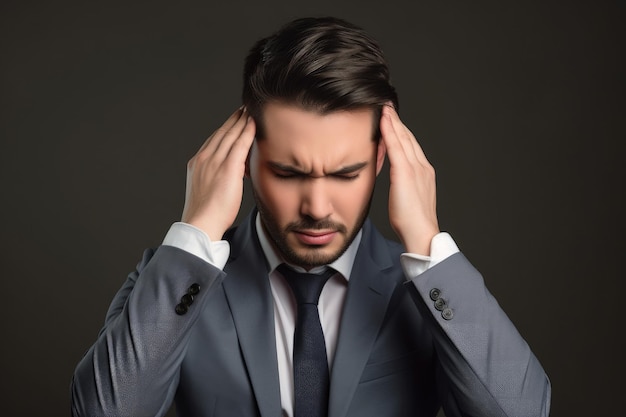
[313, 256]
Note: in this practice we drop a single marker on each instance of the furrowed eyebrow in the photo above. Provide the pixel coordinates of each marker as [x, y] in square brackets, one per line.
[349, 169]
[287, 168]
[343, 171]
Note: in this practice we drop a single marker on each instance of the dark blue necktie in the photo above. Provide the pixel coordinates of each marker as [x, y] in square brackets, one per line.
[310, 364]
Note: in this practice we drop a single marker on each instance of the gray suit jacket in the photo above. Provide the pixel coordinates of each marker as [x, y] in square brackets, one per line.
[396, 354]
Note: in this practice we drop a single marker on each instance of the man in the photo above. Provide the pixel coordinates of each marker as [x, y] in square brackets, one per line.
[213, 319]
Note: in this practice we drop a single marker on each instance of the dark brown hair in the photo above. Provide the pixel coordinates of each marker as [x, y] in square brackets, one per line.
[320, 64]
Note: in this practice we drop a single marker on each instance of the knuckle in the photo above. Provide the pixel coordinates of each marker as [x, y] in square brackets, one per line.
[214, 167]
[231, 164]
[219, 132]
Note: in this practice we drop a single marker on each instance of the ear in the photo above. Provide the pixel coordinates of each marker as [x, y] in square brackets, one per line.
[381, 151]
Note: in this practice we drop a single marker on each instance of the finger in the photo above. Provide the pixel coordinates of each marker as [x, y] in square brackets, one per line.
[395, 150]
[219, 147]
[241, 146]
[406, 137]
[221, 131]
[417, 148]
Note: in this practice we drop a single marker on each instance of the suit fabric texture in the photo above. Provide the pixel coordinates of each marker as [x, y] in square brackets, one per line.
[396, 355]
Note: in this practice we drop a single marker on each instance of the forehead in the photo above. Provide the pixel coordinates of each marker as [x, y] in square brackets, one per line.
[290, 128]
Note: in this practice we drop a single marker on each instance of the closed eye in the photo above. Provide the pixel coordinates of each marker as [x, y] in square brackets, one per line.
[287, 175]
[344, 177]
[348, 173]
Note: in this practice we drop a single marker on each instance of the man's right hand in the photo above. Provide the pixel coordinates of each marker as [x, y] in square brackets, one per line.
[215, 176]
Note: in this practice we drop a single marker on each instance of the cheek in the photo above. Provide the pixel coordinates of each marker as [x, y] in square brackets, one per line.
[277, 195]
[353, 198]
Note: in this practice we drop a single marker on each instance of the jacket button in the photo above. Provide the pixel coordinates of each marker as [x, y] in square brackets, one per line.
[447, 314]
[194, 289]
[440, 304]
[435, 293]
[186, 299]
[181, 309]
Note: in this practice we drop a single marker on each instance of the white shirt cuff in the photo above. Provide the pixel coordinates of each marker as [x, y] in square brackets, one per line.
[195, 241]
[441, 247]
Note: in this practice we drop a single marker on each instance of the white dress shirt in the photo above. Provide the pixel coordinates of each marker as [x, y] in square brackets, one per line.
[193, 240]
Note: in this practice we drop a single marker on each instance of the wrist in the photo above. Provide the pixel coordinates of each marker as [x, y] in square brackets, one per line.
[420, 243]
[214, 233]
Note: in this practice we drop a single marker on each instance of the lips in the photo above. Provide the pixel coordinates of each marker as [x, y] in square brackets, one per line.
[315, 237]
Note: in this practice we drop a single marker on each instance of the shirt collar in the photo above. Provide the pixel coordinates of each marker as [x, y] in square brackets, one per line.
[343, 264]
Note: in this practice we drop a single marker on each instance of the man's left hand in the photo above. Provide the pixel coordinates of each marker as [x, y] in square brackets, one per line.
[412, 192]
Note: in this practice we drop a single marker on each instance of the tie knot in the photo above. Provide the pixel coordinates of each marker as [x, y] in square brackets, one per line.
[305, 287]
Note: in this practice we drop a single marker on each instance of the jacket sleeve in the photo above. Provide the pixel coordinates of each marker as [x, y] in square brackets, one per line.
[485, 367]
[133, 367]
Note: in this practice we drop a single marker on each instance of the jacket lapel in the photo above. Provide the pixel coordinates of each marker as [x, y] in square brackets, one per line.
[369, 291]
[249, 297]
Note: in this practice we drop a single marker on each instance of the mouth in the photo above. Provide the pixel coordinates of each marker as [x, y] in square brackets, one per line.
[315, 237]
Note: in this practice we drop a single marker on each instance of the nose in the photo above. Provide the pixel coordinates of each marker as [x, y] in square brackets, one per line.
[316, 201]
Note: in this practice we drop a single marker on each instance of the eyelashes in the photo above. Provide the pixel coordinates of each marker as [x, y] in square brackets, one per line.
[292, 176]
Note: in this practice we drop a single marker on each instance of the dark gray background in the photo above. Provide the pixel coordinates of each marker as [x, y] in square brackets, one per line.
[520, 108]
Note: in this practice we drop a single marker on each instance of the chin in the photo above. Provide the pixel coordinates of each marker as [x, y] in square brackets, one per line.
[315, 256]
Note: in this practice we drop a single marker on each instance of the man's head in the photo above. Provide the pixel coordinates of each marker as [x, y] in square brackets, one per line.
[318, 64]
[315, 89]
